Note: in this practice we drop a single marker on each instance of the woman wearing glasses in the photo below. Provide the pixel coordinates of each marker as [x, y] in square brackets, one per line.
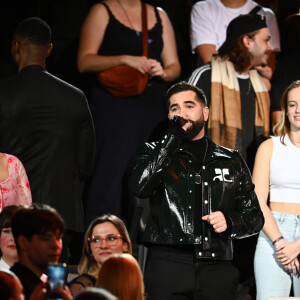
[106, 235]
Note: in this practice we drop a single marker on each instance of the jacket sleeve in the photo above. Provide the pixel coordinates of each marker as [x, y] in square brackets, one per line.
[150, 164]
[247, 219]
[85, 141]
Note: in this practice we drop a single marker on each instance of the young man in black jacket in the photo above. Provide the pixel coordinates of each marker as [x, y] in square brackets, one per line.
[201, 197]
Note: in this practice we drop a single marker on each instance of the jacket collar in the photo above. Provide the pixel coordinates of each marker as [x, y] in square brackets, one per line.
[36, 68]
[214, 151]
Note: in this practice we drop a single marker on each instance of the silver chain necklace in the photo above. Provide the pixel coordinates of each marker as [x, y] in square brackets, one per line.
[126, 15]
[198, 175]
[249, 87]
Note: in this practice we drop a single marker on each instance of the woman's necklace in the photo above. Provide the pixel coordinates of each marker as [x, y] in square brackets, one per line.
[126, 15]
[197, 175]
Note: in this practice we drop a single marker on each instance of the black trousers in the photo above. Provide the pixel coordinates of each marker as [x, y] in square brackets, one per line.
[175, 274]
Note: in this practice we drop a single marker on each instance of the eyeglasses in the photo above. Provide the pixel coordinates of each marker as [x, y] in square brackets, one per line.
[111, 240]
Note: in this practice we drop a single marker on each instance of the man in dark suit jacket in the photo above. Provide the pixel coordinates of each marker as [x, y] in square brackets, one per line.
[46, 123]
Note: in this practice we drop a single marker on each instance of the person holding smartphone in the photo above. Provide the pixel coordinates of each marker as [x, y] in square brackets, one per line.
[37, 231]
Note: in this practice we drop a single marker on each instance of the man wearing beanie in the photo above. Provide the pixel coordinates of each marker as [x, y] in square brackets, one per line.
[237, 96]
[209, 21]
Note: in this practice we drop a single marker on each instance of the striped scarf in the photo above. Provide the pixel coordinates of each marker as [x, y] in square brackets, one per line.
[225, 119]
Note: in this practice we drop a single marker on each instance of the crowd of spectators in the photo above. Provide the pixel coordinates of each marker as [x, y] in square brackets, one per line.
[67, 143]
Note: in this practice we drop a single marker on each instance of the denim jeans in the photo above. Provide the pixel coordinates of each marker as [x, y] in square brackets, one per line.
[271, 278]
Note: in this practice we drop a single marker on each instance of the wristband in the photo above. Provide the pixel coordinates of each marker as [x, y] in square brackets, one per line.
[277, 240]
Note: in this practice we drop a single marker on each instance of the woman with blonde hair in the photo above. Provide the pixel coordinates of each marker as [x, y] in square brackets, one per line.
[276, 174]
[105, 236]
[121, 275]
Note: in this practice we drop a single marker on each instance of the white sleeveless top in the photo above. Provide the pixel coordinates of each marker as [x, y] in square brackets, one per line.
[285, 172]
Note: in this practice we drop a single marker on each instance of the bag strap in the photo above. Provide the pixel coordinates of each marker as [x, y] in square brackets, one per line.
[255, 10]
[107, 8]
[145, 33]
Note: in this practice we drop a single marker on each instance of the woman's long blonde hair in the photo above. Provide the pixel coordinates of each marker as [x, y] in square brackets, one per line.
[283, 126]
[121, 275]
[87, 262]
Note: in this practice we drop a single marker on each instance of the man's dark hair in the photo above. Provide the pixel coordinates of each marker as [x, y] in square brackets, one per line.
[34, 30]
[240, 26]
[233, 47]
[36, 219]
[239, 55]
[183, 86]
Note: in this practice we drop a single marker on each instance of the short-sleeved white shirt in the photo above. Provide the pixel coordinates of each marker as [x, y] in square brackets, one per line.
[210, 18]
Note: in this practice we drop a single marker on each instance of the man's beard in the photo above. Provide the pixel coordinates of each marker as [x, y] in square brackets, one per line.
[195, 128]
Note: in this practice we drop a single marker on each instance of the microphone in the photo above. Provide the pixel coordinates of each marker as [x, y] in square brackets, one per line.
[179, 121]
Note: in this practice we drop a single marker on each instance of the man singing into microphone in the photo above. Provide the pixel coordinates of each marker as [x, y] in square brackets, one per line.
[201, 197]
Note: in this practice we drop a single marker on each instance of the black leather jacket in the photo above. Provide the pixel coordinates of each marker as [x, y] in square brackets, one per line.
[164, 171]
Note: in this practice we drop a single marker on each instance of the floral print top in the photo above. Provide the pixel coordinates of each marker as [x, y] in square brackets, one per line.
[15, 189]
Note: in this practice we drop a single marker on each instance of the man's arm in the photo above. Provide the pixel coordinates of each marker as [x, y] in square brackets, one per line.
[150, 164]
[268, 71]
[248, 218]
[201, 78]
[206, 52]
[281, 80]
[202, 32]
[85, 143]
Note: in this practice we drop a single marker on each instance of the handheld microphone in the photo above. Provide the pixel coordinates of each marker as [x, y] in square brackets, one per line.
[179, 121]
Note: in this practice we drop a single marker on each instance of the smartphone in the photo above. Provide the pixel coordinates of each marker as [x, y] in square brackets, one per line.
[56, 279]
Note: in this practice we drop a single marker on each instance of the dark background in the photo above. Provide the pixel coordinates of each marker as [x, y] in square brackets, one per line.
[66, 16]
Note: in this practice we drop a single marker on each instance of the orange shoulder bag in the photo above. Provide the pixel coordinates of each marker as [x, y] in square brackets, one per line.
[124, 81]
